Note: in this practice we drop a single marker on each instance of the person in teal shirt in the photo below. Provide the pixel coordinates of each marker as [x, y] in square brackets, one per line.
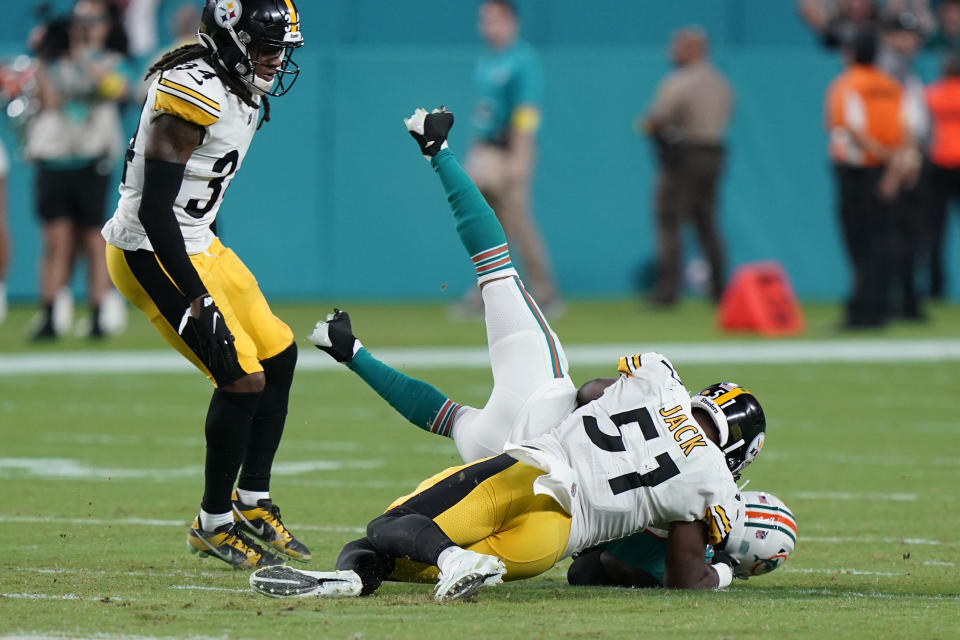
[502, 158]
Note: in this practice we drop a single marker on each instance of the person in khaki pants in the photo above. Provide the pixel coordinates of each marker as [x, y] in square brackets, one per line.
[687, 122]
[502, 159]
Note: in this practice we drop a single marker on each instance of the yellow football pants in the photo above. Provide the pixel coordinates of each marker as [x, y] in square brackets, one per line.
[259, 334]
[500, 516]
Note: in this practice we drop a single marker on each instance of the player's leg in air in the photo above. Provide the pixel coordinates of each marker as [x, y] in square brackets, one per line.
[532, 390]
[436, 529]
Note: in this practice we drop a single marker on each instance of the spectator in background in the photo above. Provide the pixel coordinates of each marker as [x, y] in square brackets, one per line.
[947, 34]
[4, 231]
[865, 118]
[75, 141]
[943, 100]
[901, 40]
[688, 121]
[502, 159]
[837, 23]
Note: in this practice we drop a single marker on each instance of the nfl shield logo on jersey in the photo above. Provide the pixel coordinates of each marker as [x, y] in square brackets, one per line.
[228, 12]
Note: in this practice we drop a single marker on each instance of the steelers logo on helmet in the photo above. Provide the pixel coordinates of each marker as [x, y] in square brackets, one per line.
[738, 416]
[255, 41]
[227, 12]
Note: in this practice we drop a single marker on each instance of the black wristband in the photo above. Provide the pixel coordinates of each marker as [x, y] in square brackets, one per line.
[161, 184]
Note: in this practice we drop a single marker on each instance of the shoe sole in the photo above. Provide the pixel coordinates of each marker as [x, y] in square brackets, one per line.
[468, 586]
[287, 582]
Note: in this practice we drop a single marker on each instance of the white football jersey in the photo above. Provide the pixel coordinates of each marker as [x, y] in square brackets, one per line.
[193, 92]
[634, 458]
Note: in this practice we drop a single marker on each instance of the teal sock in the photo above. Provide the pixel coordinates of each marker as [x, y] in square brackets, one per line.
[477, 224]
[419, 402]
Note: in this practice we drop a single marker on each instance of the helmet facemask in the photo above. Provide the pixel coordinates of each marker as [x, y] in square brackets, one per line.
[252, 36]
[740, 422]
[249, 62]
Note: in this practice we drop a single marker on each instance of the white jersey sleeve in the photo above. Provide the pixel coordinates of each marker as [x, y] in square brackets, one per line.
[192, 92]
[634, 458]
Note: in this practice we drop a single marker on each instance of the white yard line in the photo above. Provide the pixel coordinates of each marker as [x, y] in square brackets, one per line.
[63, 596]
[850, 594]
[847, 572]
[735, 352]
[878, 540]
[851, 495]
[144, 522]
[191, 587]
[79, 470]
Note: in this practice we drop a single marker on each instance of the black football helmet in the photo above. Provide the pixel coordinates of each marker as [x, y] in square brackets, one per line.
[233, 29]
[739, 420]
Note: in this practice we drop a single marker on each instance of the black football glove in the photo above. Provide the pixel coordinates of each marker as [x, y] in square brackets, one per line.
[214, 340]
[430, 130]
[723, 557]
[335, 336]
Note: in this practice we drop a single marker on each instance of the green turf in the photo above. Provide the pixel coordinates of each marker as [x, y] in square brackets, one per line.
[866, 455]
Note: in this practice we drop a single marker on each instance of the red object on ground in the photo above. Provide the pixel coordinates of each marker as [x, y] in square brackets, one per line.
[759, 299]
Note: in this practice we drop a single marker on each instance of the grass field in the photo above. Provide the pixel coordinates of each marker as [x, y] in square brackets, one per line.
[100, 474]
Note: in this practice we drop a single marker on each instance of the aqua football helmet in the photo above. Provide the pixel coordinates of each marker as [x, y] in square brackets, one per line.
[764, 538]
[739, 420]
[238, 30]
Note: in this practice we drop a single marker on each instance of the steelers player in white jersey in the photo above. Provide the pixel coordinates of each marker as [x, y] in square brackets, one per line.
[202, 109]
[635, 455]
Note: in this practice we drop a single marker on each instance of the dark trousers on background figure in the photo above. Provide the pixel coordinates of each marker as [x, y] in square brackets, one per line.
[687, 192]
[865, 219]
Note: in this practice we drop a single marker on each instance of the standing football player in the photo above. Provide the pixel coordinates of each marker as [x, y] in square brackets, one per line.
[202, 109]
[520, 512]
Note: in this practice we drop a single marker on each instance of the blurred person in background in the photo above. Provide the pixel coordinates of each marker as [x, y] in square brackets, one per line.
[688, 122]
[4, 231]
[504, 154]
[943, 100]
[866, 121]
[75, 142]
[900, 42]
[837, 22]
[947, 34]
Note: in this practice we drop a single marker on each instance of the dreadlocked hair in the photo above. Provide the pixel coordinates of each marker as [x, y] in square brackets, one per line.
[190, 52]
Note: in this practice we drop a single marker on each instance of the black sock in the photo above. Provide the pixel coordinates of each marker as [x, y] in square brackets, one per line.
[95, 329]
[267, 427]
[227, 431]
[48, 316]
[403, 533]
[361, 557]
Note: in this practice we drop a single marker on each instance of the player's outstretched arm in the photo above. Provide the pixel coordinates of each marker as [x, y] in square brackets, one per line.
[419, 402]
[477, 225]
[685, 568]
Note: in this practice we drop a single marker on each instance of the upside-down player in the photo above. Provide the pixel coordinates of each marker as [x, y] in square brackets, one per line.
[636, 456]
[202, 109]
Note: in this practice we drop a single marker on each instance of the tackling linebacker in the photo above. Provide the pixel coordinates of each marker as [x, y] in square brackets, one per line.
[636, 454]
[201, 112]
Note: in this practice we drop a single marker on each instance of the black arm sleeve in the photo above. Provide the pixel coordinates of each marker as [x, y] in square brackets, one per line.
[161, 184]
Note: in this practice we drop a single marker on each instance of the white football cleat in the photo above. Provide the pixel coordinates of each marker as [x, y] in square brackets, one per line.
[287, 582]
[468, 572]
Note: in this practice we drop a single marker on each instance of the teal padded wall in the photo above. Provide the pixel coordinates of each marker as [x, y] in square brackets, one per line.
[334, 200]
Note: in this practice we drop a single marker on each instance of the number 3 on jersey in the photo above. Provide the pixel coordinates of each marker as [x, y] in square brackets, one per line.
[197, 209]
[666, 467]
